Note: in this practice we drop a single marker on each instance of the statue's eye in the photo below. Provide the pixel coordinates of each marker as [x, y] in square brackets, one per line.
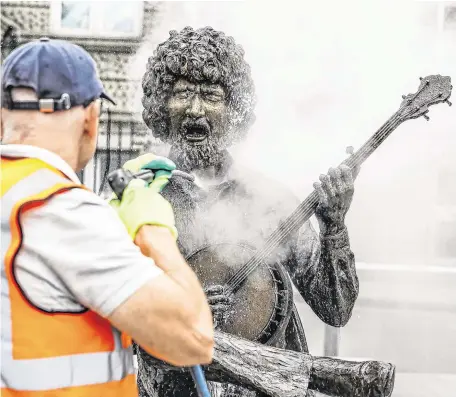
[182, 94]
[213, 97]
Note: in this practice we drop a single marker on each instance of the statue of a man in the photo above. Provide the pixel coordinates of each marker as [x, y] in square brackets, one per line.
[199, 97]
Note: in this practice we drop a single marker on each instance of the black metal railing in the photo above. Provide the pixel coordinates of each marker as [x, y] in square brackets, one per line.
[121, 142]
[116, 145]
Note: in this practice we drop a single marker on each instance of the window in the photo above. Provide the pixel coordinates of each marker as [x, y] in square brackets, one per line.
[97, 19]
[449, 19]
[446, 15]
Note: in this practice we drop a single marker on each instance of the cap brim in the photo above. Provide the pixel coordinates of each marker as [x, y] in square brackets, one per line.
[108, 98]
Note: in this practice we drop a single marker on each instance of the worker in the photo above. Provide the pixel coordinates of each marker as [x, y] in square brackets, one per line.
[82, 277]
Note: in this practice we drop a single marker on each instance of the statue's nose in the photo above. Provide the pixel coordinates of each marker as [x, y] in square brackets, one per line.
[195, 109]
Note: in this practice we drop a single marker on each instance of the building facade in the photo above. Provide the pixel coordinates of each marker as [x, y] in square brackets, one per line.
[111, 32]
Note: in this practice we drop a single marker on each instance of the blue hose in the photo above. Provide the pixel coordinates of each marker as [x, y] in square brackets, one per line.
[200, 381]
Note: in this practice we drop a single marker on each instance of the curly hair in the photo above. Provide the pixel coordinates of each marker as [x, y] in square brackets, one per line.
[198, 55]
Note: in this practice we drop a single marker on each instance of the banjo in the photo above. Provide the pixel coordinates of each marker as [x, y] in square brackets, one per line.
[261, 292]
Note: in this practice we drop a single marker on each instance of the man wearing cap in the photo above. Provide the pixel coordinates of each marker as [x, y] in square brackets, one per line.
[80, 278]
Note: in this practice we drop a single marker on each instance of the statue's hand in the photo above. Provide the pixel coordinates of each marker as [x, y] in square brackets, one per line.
[219, 302]
[335, 192]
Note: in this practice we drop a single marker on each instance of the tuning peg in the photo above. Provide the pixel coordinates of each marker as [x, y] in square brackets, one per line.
[421, 78]
[448, 102]
[403, 96]
[426, 117]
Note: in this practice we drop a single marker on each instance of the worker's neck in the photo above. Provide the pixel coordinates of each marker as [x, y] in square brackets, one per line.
[67, 150]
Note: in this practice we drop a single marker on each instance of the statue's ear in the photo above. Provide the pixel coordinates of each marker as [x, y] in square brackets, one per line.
[1, 123]
[237, 133]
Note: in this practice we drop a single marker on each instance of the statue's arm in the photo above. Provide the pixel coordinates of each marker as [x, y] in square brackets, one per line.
[323, 270]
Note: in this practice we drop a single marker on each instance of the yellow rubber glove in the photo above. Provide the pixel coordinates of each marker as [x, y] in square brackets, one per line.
[142, 203]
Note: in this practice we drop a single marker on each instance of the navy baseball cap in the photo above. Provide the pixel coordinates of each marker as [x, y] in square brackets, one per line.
[62, 74]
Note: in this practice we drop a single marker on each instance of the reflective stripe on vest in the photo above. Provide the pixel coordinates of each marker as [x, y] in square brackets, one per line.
[65, 371]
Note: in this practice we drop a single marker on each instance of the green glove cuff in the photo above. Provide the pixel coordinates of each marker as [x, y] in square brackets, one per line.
[149, 161]
[159, 163]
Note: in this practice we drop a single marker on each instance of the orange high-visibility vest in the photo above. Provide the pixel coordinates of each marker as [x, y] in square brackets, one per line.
[51, 354]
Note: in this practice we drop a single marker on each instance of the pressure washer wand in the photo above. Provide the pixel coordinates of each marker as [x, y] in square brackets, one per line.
[120, 178]
[200, 381]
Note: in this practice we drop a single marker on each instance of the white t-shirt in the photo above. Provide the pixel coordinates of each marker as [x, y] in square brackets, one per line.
[76, 252]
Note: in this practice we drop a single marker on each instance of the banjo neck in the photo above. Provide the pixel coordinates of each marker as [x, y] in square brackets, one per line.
[432, 90]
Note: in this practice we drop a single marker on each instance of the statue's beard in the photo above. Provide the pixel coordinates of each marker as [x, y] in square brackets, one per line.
[189, 154]
[189, 157]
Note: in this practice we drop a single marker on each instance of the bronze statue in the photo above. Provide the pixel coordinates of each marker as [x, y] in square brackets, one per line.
[199, 97]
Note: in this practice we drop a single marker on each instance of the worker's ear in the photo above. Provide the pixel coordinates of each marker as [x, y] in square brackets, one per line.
[2, 114]
[92, 116]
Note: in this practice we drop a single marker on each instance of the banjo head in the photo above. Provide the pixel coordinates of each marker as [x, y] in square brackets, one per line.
[258, 305]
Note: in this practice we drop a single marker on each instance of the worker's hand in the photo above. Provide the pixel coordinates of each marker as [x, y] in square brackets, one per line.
[161, 166]
[140, 204]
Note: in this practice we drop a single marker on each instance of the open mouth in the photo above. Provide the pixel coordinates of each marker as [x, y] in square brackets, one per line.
[196, 133]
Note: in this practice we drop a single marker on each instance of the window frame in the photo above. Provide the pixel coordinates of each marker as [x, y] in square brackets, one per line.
[442, 24]
[95, 22]
[449, 25]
